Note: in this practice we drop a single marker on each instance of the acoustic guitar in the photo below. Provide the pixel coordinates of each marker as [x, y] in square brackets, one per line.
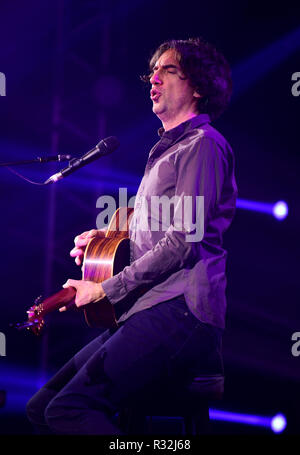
[104, 257]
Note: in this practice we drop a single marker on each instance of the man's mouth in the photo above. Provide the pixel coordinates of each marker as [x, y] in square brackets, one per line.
[154, 95]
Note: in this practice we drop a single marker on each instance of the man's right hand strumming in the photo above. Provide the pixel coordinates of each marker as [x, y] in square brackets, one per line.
[81, 242]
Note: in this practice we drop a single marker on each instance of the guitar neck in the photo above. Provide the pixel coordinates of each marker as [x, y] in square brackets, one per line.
[58, 300]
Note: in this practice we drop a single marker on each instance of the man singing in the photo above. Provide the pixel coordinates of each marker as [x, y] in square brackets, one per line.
[173, 331]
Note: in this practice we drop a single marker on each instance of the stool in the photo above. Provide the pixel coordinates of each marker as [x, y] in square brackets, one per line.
[191, 403]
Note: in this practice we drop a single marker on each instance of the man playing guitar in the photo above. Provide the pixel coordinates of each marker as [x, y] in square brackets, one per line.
[174, 328]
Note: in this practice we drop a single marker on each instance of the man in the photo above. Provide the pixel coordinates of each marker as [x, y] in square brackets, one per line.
[173, 331]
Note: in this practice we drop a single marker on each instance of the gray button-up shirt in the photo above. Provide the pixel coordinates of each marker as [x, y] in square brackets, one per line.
[176, 244]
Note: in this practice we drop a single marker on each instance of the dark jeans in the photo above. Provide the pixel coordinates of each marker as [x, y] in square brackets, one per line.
[163, 343]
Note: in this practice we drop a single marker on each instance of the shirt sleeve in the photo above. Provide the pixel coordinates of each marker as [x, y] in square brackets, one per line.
[200, 171]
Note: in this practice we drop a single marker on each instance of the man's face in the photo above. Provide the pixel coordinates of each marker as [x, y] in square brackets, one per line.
[171, 93]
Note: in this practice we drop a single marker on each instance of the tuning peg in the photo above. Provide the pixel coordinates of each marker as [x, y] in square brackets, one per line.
[38, 300]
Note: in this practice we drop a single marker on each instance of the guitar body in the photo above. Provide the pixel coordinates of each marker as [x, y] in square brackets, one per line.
[104, 257]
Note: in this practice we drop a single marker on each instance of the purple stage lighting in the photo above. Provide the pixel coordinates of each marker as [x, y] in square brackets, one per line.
[276, 423]
[279, 210]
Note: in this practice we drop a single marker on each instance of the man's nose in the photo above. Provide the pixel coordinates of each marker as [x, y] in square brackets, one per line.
[155, 78]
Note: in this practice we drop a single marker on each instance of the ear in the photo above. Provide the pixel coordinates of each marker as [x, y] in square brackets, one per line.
[197, 95]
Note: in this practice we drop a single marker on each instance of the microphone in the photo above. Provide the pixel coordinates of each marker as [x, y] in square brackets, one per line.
[106, 146]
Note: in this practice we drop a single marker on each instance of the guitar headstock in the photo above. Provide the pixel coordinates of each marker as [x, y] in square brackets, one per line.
[36, 313]
[35, 321]
[35, 316]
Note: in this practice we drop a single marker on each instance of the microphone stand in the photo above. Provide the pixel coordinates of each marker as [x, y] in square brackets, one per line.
[39, 159]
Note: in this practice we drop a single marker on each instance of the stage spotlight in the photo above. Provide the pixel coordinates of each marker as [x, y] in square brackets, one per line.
[277, 423]
[280, 210]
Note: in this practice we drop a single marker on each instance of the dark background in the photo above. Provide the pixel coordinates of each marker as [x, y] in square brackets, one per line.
[72, 73]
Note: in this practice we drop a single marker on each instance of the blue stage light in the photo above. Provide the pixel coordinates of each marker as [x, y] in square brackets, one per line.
[276, 423]
[252, 69]
[279, 210]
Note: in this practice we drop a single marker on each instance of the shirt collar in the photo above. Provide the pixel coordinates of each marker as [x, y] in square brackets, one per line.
[190, 124]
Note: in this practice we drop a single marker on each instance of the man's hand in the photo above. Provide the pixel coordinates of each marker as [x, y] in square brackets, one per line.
[87, 292]
[81, 242]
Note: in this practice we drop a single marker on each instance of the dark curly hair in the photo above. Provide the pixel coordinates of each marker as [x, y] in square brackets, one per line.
[207, 70]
